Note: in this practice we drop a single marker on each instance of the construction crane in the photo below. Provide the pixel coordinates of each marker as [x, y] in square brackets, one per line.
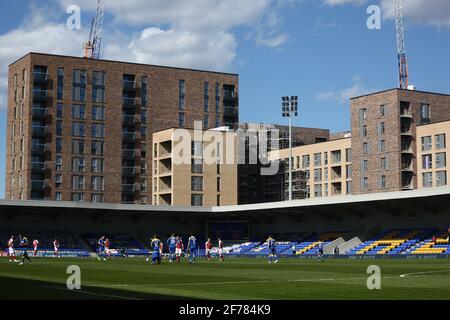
[401, 49]
[93, 46]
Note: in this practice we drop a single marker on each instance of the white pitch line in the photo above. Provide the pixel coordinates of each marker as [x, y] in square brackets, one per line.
[421, 273]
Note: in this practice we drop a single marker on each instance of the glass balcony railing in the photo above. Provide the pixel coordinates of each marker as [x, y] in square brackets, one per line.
[128, 136]
[128, 171]
[39, 113]
[40, 95]
[40, 77]
[129, 85]
[39, 130]
[37, 185]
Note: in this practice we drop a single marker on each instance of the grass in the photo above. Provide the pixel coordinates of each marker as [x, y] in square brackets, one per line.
[232, 279]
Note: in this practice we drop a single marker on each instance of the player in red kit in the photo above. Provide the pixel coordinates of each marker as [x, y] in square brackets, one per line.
[208, 247]
[107, 245]
[11, 252]
[56, 247]
[178, 249]
[35, 247]
[221, 256]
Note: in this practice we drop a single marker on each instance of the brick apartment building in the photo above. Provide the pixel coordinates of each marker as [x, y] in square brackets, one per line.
[81, 130]
[398, 142]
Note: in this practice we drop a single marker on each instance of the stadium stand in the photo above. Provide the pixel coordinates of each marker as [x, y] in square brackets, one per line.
[392, 242]
[439, 245]
[118, 241]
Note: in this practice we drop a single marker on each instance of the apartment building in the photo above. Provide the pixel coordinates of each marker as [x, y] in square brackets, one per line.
[81, 129]
[195, 168]
[327, 169]
[385, 137]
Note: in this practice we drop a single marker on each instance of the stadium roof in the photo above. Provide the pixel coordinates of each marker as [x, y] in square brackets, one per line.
[433, 200]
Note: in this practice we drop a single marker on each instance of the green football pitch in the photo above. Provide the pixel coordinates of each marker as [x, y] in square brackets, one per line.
[233, 279]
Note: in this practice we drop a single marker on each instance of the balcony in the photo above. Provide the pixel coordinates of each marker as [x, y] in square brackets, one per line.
[40, 95]
[130, 103]
[129, 85]
[128, 172]
[40, 77]
[128, 136]
[129, 154]
[229, 96]
[37, 185]
[230, 111]
[39, 113]
[407, 167]
[129, 188]
[38, 167]
[38, 149]
[38, 131]
[129, 120]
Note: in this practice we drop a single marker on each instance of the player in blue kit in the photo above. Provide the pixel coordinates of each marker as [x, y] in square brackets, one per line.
[101, 248]
[172, 244]
[156, 245]
[320, 251]
[272, 250]
[192, 249]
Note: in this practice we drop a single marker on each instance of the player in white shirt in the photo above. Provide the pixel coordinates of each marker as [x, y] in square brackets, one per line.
[56, 247]
[11, 252]
[221, 256]
[35, 247]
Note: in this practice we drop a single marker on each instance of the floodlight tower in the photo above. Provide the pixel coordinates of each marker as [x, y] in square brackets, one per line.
[289, 110]
[401, 49]
[93, 46]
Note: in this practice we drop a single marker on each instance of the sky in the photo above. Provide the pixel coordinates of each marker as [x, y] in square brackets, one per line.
[320, 50]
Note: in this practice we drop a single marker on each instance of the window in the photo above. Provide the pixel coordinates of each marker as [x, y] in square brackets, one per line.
[59, 142]
[98, 87]
[97, 198]
[98, 183]
[206, 97]
[60, 89]
[181, 120]
[348, 172]
[440, 141]
[97, 165]
[98, 113]
[78, 182]
[182, 89]
[349, 187]
[441, 178]
[365, 183]
[365, 166]
[441, 160]
[364, 131]
[218, 121]
[336, 156]
[78, 111]
[197, 200]
[382, 146]
[197, 183]
[426, 143]
[79, 85]
[197, 165]
[218, 200]
[78, 146]
[97, 148]
[425, 113]
[58, 181]
[383, 110]
[59, 128]
[317, 190]
[78, 129]
[383, 164]
[206, 121]
[383, 182]
[381, 128]
[78, 165]
[58, 196]
[98, 130]
[317, 159]
[348, 155]
[144, 92]
[325, 158]
[219, 184]
[77, 197]
[59, 110]
[427, 179]
[365, 148]
[317, 175]
[305, 161]
[217, 97]
[197, 148]
[362, 114]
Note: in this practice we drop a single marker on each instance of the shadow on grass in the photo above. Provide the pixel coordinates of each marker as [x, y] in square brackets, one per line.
[24, 289]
